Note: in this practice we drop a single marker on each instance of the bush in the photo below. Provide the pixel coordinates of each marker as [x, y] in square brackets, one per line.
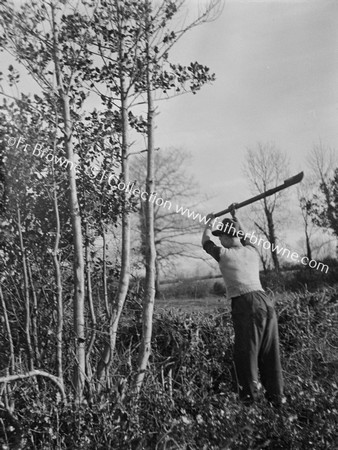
[188, 400]
[312, 279]
[219, 288]
[298, 278]
[273, 281]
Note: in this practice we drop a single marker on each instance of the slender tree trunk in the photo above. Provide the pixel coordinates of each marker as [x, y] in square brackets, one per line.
[143, 230]
[91, 305]
[157, 279]
[34, 317]
[149, 290]
[308, 243]
[78, 264]
[79, 288]
[9, 333]
[104, 270]
[117, 306]
[59, 292]
[26, 294]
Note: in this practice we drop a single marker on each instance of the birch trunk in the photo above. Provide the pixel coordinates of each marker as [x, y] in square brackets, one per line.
[26, 294]
[34, 317]
[149, 289]
[79, 327]
[78, 265]
[59, 302]
[308, 242]
[117, 306]
[91, 305]
[104, 270]
[9, 332]
[157, 278]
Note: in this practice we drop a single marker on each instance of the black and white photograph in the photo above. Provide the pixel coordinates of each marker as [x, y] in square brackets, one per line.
[168, 224]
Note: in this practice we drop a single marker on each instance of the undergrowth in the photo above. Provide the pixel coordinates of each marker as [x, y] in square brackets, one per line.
[189, 400]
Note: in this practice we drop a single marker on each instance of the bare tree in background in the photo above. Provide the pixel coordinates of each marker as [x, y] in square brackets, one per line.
[267, 167]
[171, 229]
[264, 254]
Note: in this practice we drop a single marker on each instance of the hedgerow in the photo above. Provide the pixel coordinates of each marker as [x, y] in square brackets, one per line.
[189, 400]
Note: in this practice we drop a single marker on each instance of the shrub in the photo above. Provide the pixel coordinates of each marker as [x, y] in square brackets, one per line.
[188, 400]
[273, 281]
[219, 288]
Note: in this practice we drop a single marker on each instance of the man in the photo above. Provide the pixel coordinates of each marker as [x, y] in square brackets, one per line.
[253, 315]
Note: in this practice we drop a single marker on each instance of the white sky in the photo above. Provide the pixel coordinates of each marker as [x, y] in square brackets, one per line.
[276, 66]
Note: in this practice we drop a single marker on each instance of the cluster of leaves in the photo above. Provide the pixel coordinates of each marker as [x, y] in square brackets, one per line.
[189, 399]
[324, 213]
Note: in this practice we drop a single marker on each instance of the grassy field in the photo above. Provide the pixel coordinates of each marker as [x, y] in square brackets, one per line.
[208, 304]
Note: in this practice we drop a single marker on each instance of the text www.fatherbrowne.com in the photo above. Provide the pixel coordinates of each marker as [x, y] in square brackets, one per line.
[153, 198]
[256, 240]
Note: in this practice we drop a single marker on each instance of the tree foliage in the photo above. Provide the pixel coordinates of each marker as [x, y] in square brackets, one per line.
[325, 214]
[323, 204]
[62, 160]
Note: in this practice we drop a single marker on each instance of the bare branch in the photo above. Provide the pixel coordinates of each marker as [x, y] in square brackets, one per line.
[35, 373]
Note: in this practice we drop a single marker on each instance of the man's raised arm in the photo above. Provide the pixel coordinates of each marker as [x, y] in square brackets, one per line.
[207, 230]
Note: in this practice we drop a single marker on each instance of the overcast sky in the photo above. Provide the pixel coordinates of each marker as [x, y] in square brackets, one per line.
[276, 66]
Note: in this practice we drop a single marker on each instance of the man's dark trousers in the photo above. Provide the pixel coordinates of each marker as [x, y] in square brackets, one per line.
[256, 347]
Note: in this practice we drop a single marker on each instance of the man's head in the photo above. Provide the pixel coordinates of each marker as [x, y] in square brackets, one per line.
[227, 233]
